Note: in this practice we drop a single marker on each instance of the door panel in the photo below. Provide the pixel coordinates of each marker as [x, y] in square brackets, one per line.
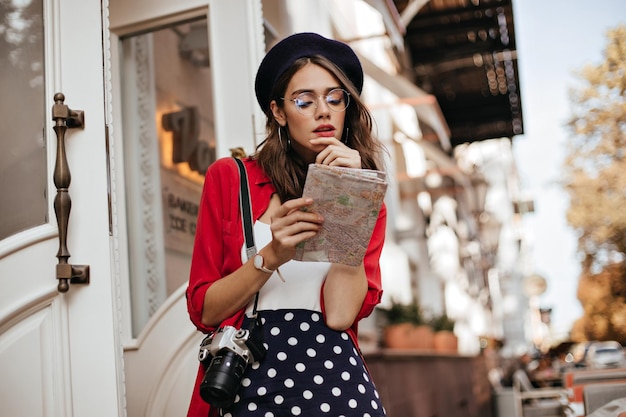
[21, 354]
[161, 367]
[47, 339]
[182, 106]
[168, 142]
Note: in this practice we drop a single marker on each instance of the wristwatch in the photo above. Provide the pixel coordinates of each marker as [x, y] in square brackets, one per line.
[258, 262]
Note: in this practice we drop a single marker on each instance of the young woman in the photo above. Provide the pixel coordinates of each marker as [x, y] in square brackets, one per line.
[308, 86]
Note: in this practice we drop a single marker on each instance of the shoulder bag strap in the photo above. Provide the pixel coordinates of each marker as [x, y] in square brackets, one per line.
[246, 218]
[246, 209]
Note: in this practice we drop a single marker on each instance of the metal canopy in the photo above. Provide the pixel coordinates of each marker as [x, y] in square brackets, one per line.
[464, 53]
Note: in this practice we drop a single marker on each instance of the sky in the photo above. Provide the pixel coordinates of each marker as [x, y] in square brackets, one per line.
[554, 39]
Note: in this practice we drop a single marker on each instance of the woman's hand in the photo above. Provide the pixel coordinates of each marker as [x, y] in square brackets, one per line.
[290, 225]
[337, 153]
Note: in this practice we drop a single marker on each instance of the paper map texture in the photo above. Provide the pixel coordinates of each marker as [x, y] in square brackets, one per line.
[349, 199]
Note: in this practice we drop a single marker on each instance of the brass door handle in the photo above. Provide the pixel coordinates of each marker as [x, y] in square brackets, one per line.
[64, 119]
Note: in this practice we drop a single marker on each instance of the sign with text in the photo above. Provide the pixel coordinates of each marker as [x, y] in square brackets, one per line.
[181, 199]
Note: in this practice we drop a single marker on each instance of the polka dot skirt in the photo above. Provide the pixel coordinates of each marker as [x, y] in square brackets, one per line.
[309, 370]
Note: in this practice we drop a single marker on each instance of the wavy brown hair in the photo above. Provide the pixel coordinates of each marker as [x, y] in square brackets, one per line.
[284, 167]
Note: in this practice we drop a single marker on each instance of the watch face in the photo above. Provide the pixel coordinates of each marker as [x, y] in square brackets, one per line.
[258, 261]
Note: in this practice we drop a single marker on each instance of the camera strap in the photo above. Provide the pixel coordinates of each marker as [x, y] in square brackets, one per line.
[245, 205]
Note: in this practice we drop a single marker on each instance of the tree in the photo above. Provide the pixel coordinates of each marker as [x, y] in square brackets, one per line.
[595, 169]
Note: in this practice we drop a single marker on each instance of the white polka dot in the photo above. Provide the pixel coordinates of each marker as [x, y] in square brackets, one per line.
[376, 394]
[255, 365]
[271, 372]
[345, 376]
[307, 395]
[292, 341]
[366, 377]
[311, 352]
[261, 391]
[367, 415]
[274, 331]
[237, 398]
[252, 407]
[361, 389]
[320, 338]
[352, 403]
[228, 415]
[336, 391]
[337, 350]
[246, 382]
[281, 356]
[288, 316]
[325, 407]
[374, 405]
[300, 367]
[315, 317]
[289, 383]
[305, 326]
[318, 379]
[268, 414]
[352, 361]
[345, 336]
[295, 410]
[279, 399]
[328, 364]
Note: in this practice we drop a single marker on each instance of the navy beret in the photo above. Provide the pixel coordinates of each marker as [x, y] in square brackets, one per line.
[297, 46]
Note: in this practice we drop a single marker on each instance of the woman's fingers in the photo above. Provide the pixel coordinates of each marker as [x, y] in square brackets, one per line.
[290, 206]
[292, 225]
[292, 218]
[337, 154]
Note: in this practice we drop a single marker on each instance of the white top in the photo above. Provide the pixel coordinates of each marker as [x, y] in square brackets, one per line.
[303, 280]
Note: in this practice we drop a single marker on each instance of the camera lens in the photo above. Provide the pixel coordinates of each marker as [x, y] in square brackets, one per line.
[223, 378]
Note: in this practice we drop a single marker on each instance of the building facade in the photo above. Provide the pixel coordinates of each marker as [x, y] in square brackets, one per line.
[111, 112]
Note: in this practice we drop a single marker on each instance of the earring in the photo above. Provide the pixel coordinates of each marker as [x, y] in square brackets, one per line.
[280, 139]
[344, 139]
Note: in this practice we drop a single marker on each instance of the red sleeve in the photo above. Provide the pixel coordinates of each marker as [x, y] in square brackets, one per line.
[372, 266]
[218, 238]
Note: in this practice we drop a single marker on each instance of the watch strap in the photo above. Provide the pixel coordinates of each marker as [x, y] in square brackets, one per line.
[262, 266]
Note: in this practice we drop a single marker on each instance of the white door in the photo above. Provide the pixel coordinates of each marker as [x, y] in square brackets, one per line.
[59, 352]
[182, 92]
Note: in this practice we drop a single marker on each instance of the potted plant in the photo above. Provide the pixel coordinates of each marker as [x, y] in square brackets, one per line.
[444, 338]
[397, 331]
[421, 333]
[407, 327]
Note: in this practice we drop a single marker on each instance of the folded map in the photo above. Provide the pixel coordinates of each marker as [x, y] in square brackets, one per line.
[350, 200]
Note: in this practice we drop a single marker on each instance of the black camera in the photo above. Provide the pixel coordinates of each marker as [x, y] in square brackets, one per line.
[228, 351]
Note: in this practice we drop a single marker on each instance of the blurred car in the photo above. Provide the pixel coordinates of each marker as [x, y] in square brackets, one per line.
[577, 356]
[609, 354]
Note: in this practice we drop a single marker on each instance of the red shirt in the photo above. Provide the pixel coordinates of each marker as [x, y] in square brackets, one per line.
[218, 243]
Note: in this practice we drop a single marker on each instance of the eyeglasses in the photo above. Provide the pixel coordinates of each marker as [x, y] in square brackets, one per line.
[337, 100]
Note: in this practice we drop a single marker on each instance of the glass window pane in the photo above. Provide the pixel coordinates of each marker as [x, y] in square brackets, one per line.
[22, 117]
[169, 141]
